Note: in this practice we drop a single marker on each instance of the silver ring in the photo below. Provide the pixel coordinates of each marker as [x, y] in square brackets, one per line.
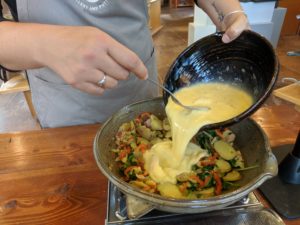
[101, 82]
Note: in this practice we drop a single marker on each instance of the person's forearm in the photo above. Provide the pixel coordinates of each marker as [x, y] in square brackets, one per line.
[218, 9]
[19, 45]
[81, 55]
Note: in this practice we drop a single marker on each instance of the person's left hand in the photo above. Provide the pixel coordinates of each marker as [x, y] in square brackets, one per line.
[234, 25]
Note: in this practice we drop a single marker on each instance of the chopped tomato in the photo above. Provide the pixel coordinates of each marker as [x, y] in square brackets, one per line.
[123, 153]
[142, 147]
[219, 133]
[183, 187]
[207, 163]
[210, 161]
[217, 178]
[198, 180]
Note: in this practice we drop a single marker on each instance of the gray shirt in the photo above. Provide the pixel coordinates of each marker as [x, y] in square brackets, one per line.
[59, 104]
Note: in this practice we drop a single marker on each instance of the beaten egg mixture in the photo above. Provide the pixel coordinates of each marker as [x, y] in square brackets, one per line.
[165, 160]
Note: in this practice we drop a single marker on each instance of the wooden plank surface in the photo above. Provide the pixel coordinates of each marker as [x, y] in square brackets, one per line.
[281, 123]
[291, 24]
[50, 177]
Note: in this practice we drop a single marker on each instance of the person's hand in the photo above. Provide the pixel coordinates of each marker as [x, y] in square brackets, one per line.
[83, 56]
[234, 25]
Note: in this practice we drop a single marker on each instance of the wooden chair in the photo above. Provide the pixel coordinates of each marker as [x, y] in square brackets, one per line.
[19, 83]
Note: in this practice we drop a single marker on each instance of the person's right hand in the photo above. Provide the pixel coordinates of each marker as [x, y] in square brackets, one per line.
[82, 56]
[234, 25]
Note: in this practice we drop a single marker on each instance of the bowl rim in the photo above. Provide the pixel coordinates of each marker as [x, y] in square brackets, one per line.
[256, 104]
[161, 201]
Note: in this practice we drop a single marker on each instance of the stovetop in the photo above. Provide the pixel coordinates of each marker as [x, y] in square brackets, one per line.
[245, 212]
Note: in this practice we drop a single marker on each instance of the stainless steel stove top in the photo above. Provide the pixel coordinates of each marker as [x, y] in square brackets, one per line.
[247, 211]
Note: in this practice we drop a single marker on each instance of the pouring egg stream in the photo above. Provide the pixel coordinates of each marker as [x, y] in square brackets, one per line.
[159, 156]
[167, 159]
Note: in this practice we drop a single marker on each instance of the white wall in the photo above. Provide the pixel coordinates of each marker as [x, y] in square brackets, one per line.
[263, 17]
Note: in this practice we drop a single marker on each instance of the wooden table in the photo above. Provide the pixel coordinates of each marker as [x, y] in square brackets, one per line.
[50, 176]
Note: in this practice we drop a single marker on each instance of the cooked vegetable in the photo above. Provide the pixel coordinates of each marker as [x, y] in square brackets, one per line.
[183, 177]
[211, 175]
[204, 139]
[219, 185]
[239, 161]
[155, 123]
[156, 140]
[225, 150]
[168, 134]
[169, 190]
[145, 132]
[166, 124]
[228, 136]
[207, 192]
[223, 165]
[232, 176]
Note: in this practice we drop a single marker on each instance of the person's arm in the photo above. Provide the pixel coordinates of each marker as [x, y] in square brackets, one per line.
[227, 15]
[80, 55]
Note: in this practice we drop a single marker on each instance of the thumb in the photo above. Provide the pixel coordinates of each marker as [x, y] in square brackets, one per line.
[231, 33]
[226, 38]
[235, 28]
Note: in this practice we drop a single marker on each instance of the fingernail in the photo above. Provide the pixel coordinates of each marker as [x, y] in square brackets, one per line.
[146, 77]
[225, 38]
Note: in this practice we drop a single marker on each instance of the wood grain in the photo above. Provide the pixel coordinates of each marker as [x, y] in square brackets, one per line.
[281, 123]
[290, 24]
[50, 177]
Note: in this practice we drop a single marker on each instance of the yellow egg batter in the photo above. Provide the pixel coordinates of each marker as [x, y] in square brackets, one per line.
[165, 160]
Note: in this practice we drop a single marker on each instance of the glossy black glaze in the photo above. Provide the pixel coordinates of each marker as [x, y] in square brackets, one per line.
[248, 62]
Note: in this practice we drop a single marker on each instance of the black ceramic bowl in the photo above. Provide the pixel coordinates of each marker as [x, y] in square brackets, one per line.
[248, 62]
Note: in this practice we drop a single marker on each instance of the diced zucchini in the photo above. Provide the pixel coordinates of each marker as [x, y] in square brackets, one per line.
[127, 126]
[207, 192]
[155, 123]
[223, 165]
[232, 176]
[225, 150]
[133, 145]
[169, 190]
[145, 132]
[191, 195]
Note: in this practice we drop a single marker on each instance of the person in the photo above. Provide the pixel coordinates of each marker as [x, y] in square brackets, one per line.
[85, 59]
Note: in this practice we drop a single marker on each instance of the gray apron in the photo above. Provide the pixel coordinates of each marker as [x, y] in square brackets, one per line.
[59, 104]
